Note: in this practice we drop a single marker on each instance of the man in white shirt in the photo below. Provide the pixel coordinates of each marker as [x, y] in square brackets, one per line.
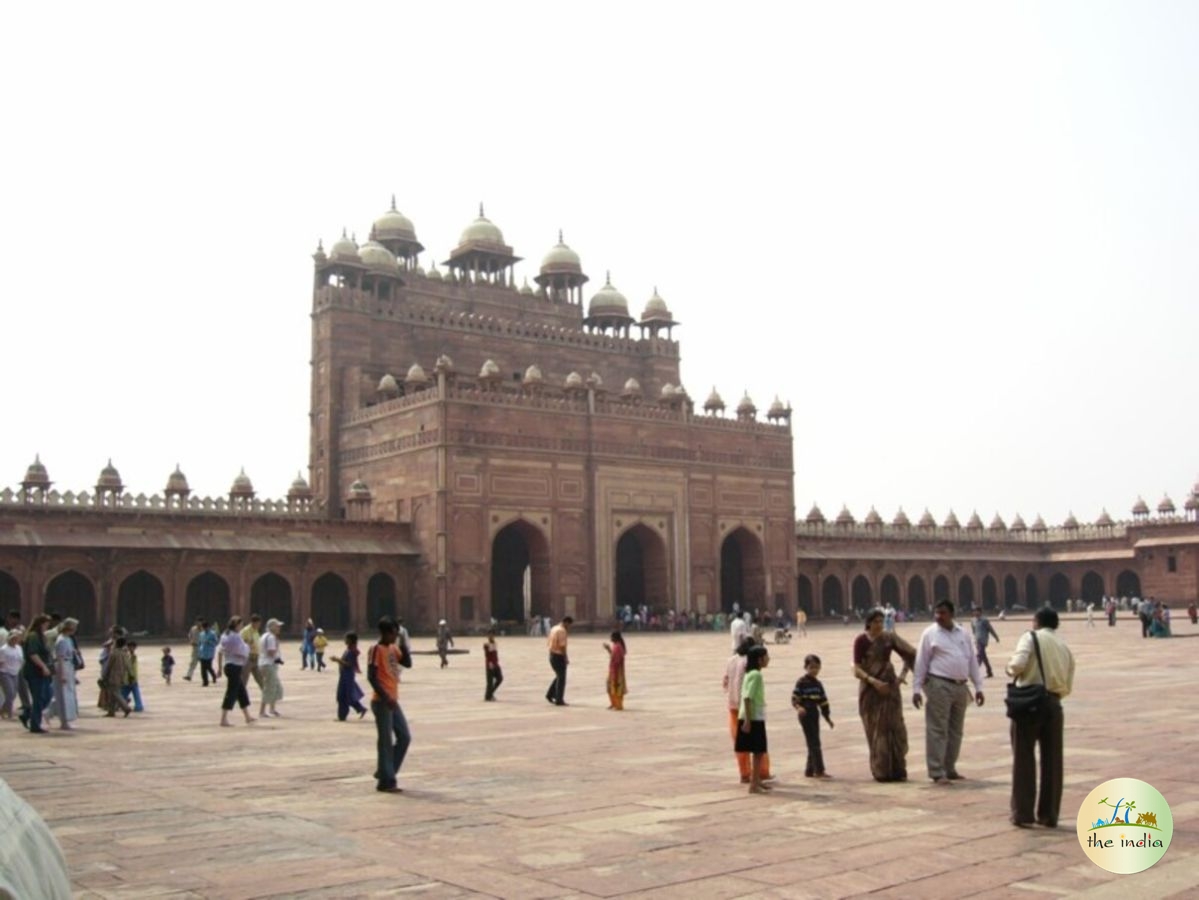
[738, 631]
[1045, 727]
[945, 665]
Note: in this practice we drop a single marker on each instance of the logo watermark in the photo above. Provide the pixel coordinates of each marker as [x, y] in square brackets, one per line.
[1125, 826]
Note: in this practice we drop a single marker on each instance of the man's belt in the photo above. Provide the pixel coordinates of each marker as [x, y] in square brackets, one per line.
[950, 680]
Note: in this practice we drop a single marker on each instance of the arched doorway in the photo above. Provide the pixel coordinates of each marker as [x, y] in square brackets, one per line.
[270, 597]
[1011, 591]
[965, 593]
[1032, 594]
[1059, 590]
[861, 593]
[72, 595]
[520, 573]
[380, 598]
[10, 594]
[1092, 588]
[888, 591]
[641, 570]
[832, 597]
[742, 571]
[940, 589]
[990, 593]
[140, 603]
[208, 598]
[804, 594]
[1128, 584]
[917, 595]
[331, 603]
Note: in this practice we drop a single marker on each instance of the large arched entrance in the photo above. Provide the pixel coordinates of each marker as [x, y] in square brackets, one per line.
[1059, 590]
[1011, 592]
[1128, 584]
[1092, 587]
[742, 571]
[208, 598]
[140, 604]
[861, 593]
[1032, 594]
[805, 594]
[641, 570]
[380, 598]
[10, 594]
[990, 593]
[270, 597]
[832, 597]
[72, 595]
[520, 573]
[331, 603]
[917, 595]
[940, 589]
[888, 591]
[965, 593]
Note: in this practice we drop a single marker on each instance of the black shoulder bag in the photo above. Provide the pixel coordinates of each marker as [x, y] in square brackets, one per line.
[1027, 702]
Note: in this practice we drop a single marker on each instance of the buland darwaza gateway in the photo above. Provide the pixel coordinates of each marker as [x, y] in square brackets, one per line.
[482, 450]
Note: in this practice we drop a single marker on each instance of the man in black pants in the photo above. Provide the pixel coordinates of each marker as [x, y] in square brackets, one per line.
[556, 693]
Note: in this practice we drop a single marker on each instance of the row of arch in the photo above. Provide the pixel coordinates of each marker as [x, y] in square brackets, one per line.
[141, 600]
[992, 593]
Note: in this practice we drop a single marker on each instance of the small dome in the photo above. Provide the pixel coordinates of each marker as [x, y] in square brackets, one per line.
[632, 388]
[1018, 524]
[533, 375]
[1140, 508]
[1192, 503]
[481, 231]
[714, 403]
[594, 381]
[344, 248]
[1039, 525]
[608, 301]
[1166, 507]
[109, 477]
[177, 482]
[901, 519]
[388, 384]
[489, 370]
[574, 381]
[434, 273]
[525, 288]
[36, 475]
[359, 490]
[997, 523]
[873, 518]
[927, 520]
[975, 523]
[951, 521]
[242, 486]
[777, 410]
[845, 517]
[561, 258]
[655, 310]
[443, 364]
[375, 256]
[667, 392]
[393, 225]
[815, 516]
[416, 375]
[746, 406]
[1104, 520]
[299, 488]
[1071, 523]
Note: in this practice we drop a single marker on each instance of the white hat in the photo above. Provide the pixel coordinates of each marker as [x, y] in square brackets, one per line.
[270, 623]
[442, 622]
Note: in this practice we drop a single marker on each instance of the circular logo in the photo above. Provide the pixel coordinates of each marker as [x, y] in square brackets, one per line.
[1125, 826]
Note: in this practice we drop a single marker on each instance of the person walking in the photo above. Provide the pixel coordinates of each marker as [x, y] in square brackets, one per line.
[268, 664]
[193, 638]
[945, 665]
[1041, 657]
[206, 650]
[491, 667]
[236, 653]
[983, 632]
[556, 693]
[349, 695]
[393, 736]
[252, 635]
[38, 673]
[445, 640]
[65, 700]
[307, 651]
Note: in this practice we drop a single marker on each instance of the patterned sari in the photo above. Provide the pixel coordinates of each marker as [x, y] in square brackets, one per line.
[881, 709]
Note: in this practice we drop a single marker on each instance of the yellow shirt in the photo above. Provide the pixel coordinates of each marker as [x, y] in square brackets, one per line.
[1059, 662]
[250, 635]
[319, 643]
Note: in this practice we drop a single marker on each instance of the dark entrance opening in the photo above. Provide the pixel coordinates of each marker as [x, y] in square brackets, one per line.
[10, 594]
[1092, 588]
[805, 594]
[208, 598]
[862, 594]
[1032, 594]
[270, 597]
[1059, 591]
[990, 593]
[965, 593]
[940, 589]
[1011, 592]
[520, 573]
[72, 595]
[889, 591]
[742, 571]
[331, 603]
[917, 596]
[832, 597]
[1128, 584]
[641, 570]
[140, 604]
[380, 598]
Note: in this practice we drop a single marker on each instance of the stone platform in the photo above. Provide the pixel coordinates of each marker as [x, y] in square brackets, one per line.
[520, 799]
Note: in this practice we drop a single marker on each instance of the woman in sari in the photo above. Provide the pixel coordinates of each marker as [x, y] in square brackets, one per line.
[616, 683]
[879, 701]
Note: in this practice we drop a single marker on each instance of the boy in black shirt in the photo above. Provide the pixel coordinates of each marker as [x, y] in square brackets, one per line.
[810, 702]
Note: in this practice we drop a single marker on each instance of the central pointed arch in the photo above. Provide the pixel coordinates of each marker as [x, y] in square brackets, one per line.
[832, 597]
[331, 602]
[641, 576]
[861, 593]
[1092, 587]
[270, 597]
[742, 571]
[73, 595]
[965, 592]
[990, 592]
[208, 598]
[10, 593]
[520, 573]
[1059, 590]
[917, 595]
[380, 598]
[140, 603]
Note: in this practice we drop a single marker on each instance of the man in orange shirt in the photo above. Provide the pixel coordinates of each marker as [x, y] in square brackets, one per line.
[556, 693]
[383, 673]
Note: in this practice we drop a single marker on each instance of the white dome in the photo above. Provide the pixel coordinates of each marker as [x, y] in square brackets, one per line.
[393, 225]
[344, 248]
[561, 257]
[376, 256]
[608, 301]
[481, 230]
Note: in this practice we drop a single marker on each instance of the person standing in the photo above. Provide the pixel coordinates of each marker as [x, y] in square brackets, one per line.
[65, 699]
[880, 705]
[37, 673]
[13, 686]
[235, 653]
[751, 718]
[193, 638]
[252, 635]
[206, 650]
[801, 622]
[491, 666]
[268, 663]
[307, 653]
[983, 632]
[945, 665]
[556, 693]
[810, 702]
[1041, 656]
[445, 640]
[616, 681]
[114, 675]
[393, 736]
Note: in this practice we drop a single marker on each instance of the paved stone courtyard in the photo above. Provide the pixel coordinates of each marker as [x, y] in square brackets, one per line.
[521, 799]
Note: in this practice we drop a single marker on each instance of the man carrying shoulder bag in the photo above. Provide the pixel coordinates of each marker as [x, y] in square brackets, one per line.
[1041, 658]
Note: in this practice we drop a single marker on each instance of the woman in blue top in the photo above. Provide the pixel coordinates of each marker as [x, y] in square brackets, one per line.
[206, 649]
[307, 650]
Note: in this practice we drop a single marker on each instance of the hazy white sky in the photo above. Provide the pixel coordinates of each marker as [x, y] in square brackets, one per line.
[959, 238]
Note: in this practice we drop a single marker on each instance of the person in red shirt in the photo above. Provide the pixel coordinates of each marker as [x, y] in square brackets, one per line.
[383, 673]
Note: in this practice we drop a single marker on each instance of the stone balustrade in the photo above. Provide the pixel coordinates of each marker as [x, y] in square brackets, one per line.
[156, 503]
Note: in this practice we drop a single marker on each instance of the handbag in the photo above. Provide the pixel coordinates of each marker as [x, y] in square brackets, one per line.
[1027, 701]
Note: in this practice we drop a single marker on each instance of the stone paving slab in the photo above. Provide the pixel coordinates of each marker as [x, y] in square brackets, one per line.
[521, 799]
